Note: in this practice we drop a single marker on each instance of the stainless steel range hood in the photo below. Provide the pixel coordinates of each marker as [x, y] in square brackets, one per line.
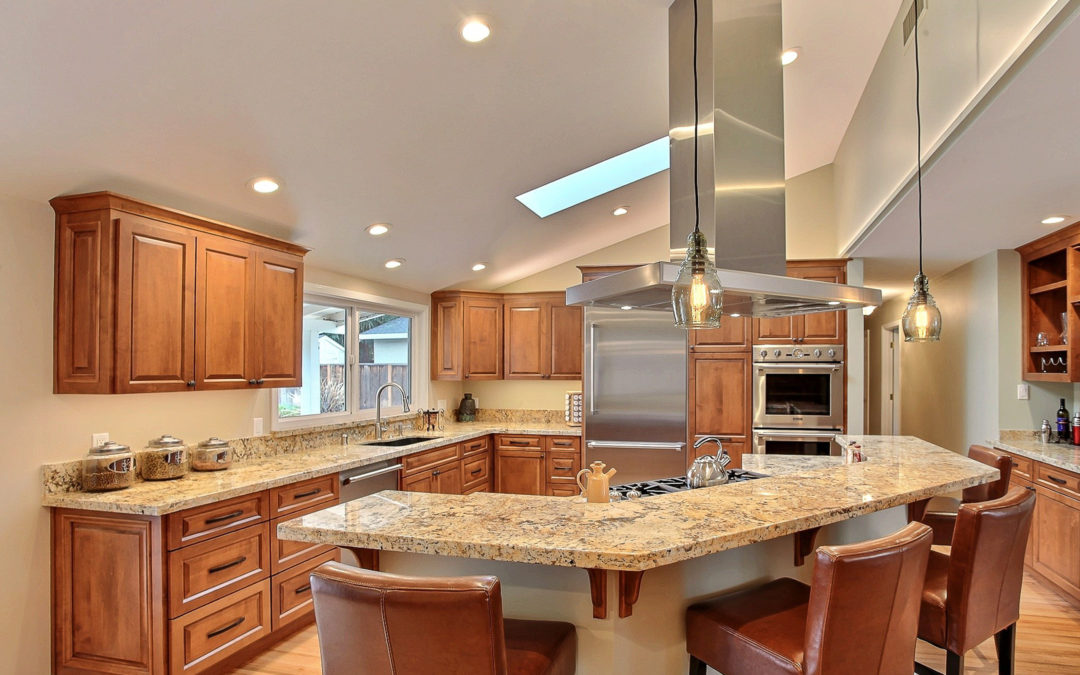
[740, 170]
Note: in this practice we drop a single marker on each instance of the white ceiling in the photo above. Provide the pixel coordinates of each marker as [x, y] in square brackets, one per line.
[1015, 164]
[377, 111]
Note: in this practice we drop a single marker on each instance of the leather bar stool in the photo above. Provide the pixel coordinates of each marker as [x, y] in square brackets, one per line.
[940, 513]
[385, 624]
[858, 615]
[973, 592]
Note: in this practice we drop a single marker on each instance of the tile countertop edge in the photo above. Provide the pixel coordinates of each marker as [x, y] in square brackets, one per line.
[1055, 454]
[130, 501]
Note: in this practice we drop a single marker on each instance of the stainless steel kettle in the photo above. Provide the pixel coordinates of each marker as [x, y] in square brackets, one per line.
[708, 471]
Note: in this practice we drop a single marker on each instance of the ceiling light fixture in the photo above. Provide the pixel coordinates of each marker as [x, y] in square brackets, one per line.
[475, 30]
[394, 263]
[922, 318]
[696, 297]
[265, 185]
[620, 211]
[1053, 220]
[788, 56]
[378, 229]
[626, 308]
[479, 267]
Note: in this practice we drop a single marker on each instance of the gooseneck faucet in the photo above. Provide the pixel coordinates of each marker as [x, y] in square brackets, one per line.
[378, 406]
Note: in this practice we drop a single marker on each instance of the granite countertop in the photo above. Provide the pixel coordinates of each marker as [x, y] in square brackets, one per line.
[1055, 454]
[637, 535]
[156, 498]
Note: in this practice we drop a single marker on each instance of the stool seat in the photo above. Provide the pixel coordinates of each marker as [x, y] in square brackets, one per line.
[540, 647]
[762, 623]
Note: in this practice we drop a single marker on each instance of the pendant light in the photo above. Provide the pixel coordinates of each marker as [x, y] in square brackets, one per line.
[922, 318]
[696, 297]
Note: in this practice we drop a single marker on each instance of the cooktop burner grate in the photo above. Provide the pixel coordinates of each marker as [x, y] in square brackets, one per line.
[665, 486]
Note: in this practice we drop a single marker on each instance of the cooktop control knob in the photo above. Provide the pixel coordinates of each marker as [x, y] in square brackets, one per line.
[764, 353]
[817, 353]
[797, 353]
[832, 353]
[776, 353]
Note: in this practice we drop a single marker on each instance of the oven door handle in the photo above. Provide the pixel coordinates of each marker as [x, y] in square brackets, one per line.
[796, 435]
[834, 367]
[642, 445]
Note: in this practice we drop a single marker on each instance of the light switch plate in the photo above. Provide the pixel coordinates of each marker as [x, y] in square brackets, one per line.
[98, 439]
[257, 426]
[1023, 392]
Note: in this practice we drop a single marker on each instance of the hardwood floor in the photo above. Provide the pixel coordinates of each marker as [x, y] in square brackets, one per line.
[1047, 641]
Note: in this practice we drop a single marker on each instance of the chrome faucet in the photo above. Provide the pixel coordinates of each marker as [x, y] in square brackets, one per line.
[379, 427]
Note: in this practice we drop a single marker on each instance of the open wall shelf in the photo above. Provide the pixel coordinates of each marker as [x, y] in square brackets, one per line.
[1050, 294]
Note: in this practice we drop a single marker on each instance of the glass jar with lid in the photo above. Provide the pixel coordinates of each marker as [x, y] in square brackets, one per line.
[213, 454]
[165, 458]
[109, 466]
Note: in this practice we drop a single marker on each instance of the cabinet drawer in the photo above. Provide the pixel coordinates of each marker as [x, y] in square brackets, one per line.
[285, 553]
[475, 446]
[292, 498]
[563, 491]
[563, 467]
[430, 458]
[204, 522]
[563, 443]
[1058, 479]
[1021, 466]
[516, 442]
[476, 471]
[481, 487]
[290, 593]
[215, 632]
[203, 572]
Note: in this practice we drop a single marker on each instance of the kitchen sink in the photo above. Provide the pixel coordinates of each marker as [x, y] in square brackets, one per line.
[404, 440]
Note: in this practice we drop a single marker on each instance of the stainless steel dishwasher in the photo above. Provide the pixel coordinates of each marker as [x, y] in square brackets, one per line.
[364, 481]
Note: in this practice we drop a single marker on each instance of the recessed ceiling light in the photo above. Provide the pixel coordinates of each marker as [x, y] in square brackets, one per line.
[265, 185]
[788, 56]
[735, 316]
[475, 30]
[378, 229]
[627, 307]
[834, 302]
[394, 263]
[478, 267]
[620, 211]
[1053, 220]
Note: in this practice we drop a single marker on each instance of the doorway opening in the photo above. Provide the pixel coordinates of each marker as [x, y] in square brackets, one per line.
[890, 379]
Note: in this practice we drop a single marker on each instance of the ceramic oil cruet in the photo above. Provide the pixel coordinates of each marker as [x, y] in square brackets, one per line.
[596, 482]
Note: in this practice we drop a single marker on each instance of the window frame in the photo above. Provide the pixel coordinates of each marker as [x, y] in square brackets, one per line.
[356, 302]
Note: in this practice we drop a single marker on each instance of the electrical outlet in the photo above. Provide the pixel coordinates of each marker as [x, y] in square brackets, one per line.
[440, 404]
[257, 426]
[98, 439]
[477, 402]
[1023, 392]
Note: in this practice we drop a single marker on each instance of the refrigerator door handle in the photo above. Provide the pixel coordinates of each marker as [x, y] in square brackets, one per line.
[592, 369]
[642, 445]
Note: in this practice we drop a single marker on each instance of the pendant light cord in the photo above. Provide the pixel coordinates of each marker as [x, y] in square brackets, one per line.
[697, 212]
[918, 134]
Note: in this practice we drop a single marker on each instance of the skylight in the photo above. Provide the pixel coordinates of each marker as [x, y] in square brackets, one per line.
[597, 179]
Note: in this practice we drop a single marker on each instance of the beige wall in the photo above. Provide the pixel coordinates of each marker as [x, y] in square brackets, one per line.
[811, 215]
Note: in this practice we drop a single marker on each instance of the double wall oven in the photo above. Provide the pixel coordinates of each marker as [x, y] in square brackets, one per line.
[798, 398]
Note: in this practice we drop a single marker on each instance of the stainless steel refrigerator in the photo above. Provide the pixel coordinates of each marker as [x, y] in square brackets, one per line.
[635, 393]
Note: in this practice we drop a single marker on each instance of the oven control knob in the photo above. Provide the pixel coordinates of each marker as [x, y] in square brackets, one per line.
[832, 353]
[817, 353]
[764, 353]
[797, 353]
[776, 353]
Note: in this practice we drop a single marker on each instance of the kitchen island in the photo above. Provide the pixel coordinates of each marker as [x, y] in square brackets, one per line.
[656, 554]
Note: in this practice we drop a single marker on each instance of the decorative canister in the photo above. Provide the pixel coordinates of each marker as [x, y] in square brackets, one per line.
[466, 411]
[165, 458]
[213, 454]
[109, 466]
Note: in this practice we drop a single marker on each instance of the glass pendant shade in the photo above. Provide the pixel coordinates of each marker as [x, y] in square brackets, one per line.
[922, 318]
[697, 297]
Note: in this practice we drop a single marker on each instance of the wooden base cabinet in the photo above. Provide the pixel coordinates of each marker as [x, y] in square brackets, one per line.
[456, 469]
[537, 465]
[719, 402]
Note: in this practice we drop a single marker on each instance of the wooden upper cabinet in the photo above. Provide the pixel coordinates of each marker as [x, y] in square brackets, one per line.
[526, 338]
[155, 303]
[567, 341]
[447, 324]
[818, 328]
[149, 299]
[733, 334]
[482, 338]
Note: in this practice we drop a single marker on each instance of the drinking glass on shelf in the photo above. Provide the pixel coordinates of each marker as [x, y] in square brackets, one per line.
[1064, 328]
[1042, 339]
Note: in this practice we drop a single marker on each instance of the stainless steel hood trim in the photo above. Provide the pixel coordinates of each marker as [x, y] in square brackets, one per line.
[745, 293]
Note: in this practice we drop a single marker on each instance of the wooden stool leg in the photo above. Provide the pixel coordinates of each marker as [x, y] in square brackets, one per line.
[1005, 639]
[954, 663]
[697, 666]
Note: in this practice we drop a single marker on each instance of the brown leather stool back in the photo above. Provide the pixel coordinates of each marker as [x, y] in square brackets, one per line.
[986, 568]
[384, 624]
[863, 613]
[987, 491]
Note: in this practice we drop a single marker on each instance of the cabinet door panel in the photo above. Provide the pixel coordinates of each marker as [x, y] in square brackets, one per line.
[520, 472]
[155, 328]
[525, 339]
[278, 309]
[1057, 529]
[226, 287]
[448, 479]
[733, 333]
[421, 482]
[446, 328]
[567, 342]
[483, 339]
[823, 327]
[719, 395]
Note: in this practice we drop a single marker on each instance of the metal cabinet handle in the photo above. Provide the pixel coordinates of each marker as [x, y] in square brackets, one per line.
[476, 471]
[466, 376]
[227, 516]
[309, 493]
[222, 568]
[225, 629]
[1059, 481]
[252, 382]
[259, 381]
[518, 442]
[303, 589]
[564, 468]
[436, 472]
[563, 444]
[191, 383]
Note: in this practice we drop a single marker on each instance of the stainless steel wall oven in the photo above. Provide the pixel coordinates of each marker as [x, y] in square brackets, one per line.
[798, 398]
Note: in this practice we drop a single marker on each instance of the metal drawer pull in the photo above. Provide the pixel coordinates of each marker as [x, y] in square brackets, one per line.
[565, 444]
[220, 568]
[477, 471]
[518, 442]
[309, 493]
[436, 472]
[225, 629]
[303, 589]
[1059, 481]
[227, 516]
[564, 468]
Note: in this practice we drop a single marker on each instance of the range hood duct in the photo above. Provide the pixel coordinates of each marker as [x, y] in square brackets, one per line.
[740, 170]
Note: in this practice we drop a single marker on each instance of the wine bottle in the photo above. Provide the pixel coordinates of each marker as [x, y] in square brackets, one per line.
[1063, 435]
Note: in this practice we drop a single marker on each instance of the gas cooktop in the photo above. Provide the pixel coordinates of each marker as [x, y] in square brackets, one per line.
[666, 486]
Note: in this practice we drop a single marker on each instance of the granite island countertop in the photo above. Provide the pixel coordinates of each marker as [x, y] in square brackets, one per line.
[157, 498]
[801, 493]
[1061, 455]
